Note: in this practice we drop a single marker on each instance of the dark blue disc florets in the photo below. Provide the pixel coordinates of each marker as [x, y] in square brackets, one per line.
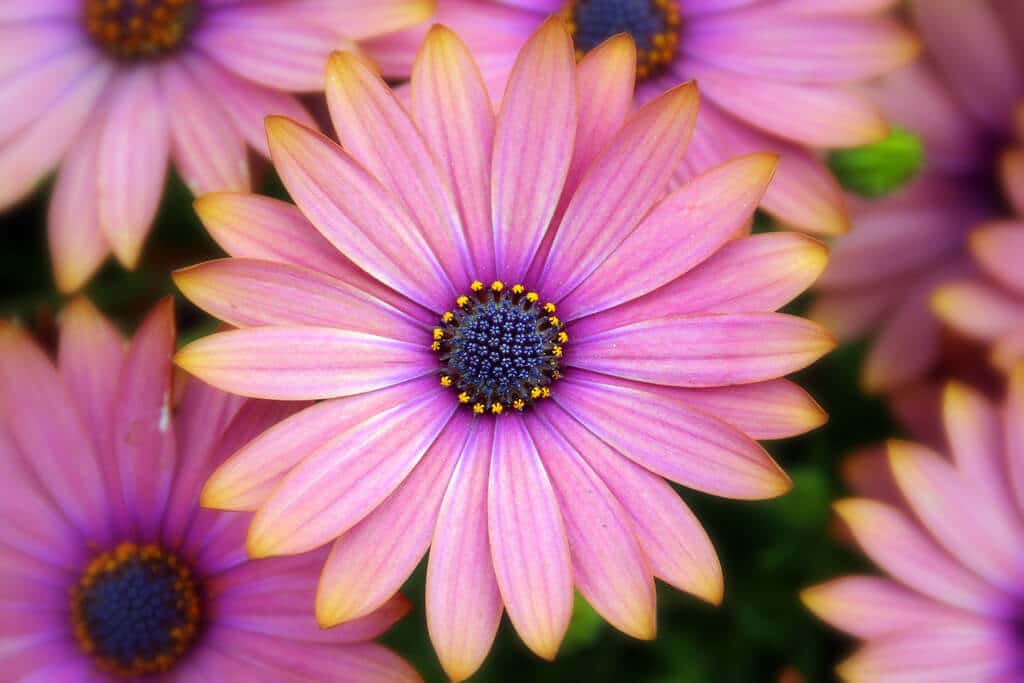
[653, 24]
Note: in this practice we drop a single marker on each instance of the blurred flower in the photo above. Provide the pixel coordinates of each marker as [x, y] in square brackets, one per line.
[112, 89]
[519, 430]
[952, 609]
[960, 100]
[775, 74]
[108, 565]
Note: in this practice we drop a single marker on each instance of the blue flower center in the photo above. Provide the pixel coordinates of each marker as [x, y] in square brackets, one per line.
[139, 29]
[654, 25]
[500, 348]
[136, 610]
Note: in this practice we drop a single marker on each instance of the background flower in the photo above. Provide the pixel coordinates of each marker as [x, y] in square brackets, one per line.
[960, 99]
[951, 610]
[111, 90]
[104, 545]
[520, 430]
[775, 75]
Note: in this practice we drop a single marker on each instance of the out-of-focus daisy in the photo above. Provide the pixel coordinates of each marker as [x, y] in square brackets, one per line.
[989, 306]
[111, 90]
[775, 75]
[950, 609]
[960, 99]
[109, 569]
[521, 336]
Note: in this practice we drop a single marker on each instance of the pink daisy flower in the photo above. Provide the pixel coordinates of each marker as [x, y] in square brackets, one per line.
[519, 336]
[949, 540]
[776, 75]
[109, 569]
[111, 90]
[960, 99]
[989, 306]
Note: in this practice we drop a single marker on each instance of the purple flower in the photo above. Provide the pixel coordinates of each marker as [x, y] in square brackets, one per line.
[520, 335]
[109, 569]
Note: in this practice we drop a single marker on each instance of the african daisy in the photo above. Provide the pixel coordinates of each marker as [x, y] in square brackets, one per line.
[109, 569]
[111, 90]
[519, 336]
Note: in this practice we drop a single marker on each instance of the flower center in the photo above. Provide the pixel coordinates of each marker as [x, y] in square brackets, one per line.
[139, 29]
[500, 348]
[654, 25]
[136, 610]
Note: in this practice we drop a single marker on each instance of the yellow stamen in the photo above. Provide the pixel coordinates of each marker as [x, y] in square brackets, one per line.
[462, 301]
[496, 408]
[557, 350]
[518, 404]
[497, 285]
[532, 297]
[476, 286]
[447, 316]
[435, 346]
[518, 289]
[563, 337]
[438, 333]
[478, 408]
[549, 307]
[463, 397]
[446, 381]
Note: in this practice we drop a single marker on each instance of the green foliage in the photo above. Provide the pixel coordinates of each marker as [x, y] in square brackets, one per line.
[880, 168]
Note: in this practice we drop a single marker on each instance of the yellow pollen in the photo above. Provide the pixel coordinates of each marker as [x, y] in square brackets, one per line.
[438, 333]
[478, 408]
[563, 337]
[463, 397]
[497, 285]
[545, 392]
[518, 289]
[462, 301]
[532, 297]
[518, 404]
[549, 307]
[446, 381]
[535, 392]
[447, 316]
[554, 321]
[557, 350]
[476, 286]
[496, 408]
[435, 346]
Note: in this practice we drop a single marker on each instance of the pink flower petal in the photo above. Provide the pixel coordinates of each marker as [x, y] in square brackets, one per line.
[872, 607]
[533, 143]
[673, 541]
[1012, 169]
[357, 214]
[452, 109]
[348, 477]
[144, 440]
[697, 219]
[246, 479]
[42, 421]
[999, 249]
[77, 245]
[462, 600]
[775, 409]
[28, 92]
[252, 293]
[759, 273]
[529, 545]
[618, 190]
[1009, 350]
[1014, 430]
[705, 350]
[371, 561]
[21, 11]
[208, 148]
[901, 549]
[976, 535]
[977, 309]
[668, 437]
[132, 162]
[360, 21]
[609, 567]
[374, 128]
[819, 116]
[296, 363]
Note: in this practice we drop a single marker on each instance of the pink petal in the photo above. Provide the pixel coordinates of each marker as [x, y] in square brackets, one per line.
[371, 561]
[673, 541]
[295, 363]
[462, 599]
[999, 249]
[775, 409]
[21, 11]
[871, 607]
[625, 181]
[660, 432]
[529, 163]
[27, 157]
[1009, 350]
[144, 440]
[357, 214]
[976, 535]
[977, 309]
[348, 477]
[866, 473]
[982, 70]
[697, 219]
[705, 350]
[246, 479]
[609, 567]
[132, 162]
[901, 549]
[775, 46]
[528, 540]
[759, 273]
[969, 651]
[252, 293]
[452, 109]
[854, 314]
[360, 21]
[1014, 430]
[819, 116]
[208, 148]
[28, 92]
[374, 128]
[1011, 166]
[44, 424]
[77, 245]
